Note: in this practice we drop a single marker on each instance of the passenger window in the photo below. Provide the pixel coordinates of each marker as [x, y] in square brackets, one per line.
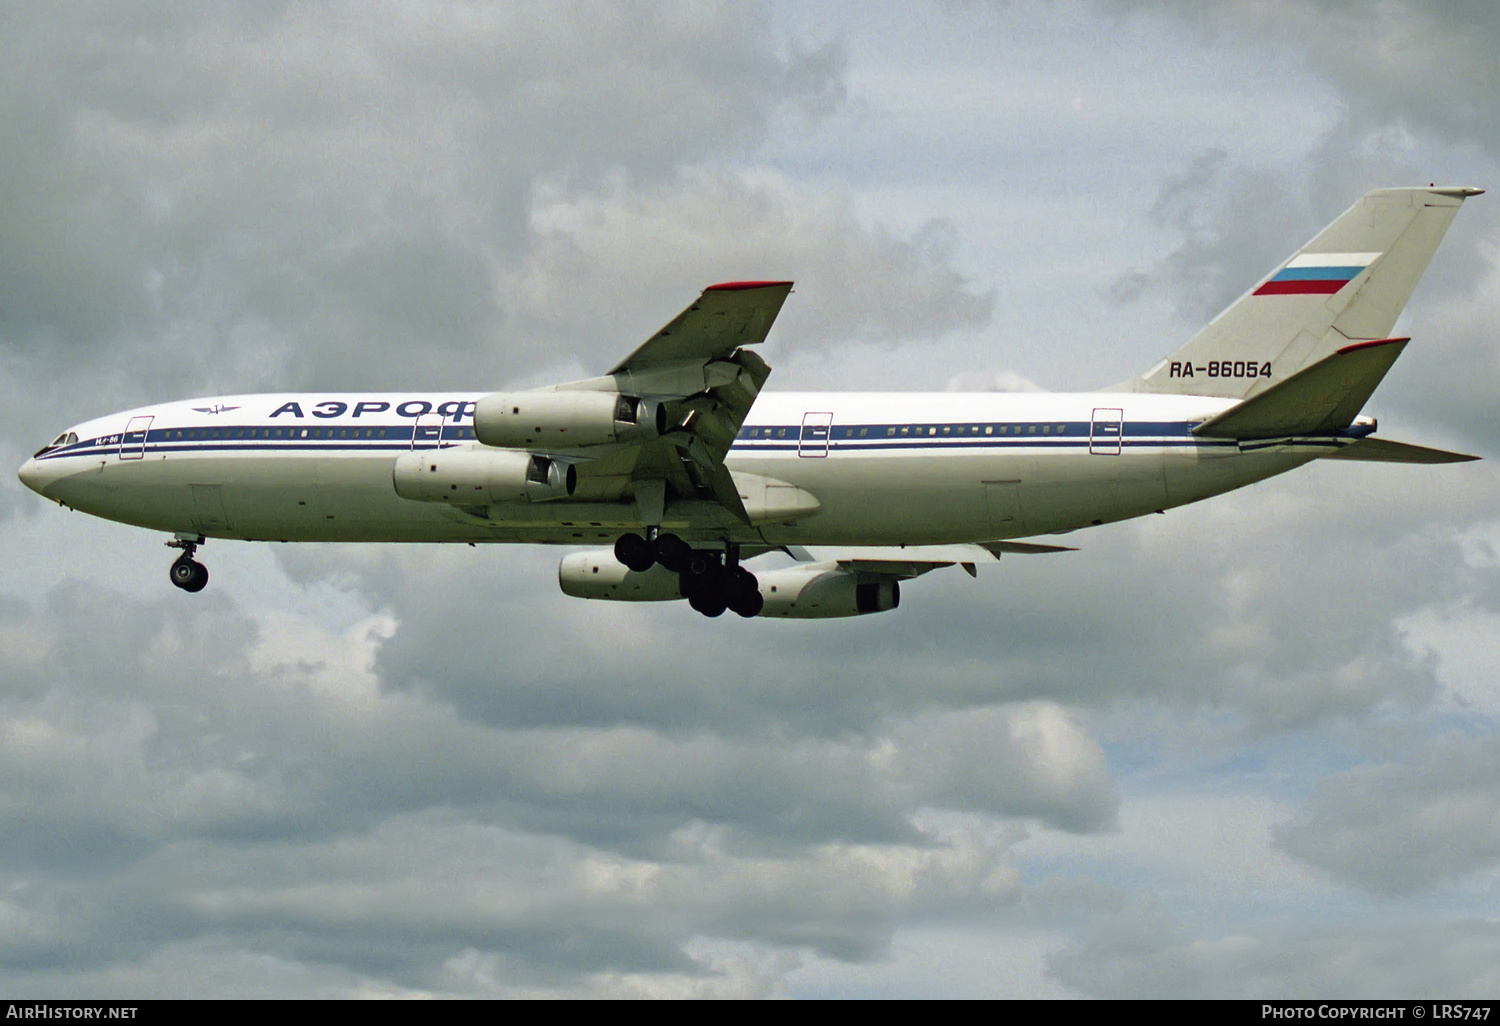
[1046, 429]
[947, 429]
[889, 432]
[989, 429]
[1060, 428]
[1031, 429]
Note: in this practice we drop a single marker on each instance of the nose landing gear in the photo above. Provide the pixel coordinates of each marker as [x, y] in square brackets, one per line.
[187, 573]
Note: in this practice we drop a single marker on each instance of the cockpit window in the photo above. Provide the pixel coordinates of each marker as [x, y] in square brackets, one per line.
[66, 438]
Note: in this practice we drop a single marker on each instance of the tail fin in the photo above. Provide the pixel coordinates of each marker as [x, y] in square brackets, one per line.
[1346, 286]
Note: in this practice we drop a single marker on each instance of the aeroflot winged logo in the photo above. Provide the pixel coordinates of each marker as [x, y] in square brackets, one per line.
[1320, 274]
[215, 408]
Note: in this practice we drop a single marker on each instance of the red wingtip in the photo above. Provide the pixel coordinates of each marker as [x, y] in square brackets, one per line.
[734, 286]
[1370, 344]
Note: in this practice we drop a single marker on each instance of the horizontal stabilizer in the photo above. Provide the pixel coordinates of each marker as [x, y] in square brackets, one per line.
[1317, 400]
[1378, 450]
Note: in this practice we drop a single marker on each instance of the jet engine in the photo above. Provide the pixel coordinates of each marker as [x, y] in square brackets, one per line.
[597, 574]
[482, 477]
[565, 419]
[807, 592]
[819, 591]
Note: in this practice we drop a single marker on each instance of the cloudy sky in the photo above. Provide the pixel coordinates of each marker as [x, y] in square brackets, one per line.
[1247, 748]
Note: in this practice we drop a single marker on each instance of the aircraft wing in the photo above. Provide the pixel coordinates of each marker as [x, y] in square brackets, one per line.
[906, 561]
[723, 318]
[697, 365]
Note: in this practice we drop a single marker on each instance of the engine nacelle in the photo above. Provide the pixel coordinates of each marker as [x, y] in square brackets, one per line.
[565, 419]
[481, 477]
[808, 592]
[824, 590]
[597, 574]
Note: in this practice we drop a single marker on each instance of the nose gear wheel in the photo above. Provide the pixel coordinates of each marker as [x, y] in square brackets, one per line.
[186, 572]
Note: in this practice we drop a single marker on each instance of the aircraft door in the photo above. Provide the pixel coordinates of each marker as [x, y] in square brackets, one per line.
[133, 441]
[427, 431]
[816, 429]
[1106, 431]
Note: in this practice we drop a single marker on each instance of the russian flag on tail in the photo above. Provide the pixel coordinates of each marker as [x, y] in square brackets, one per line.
[1320, 274]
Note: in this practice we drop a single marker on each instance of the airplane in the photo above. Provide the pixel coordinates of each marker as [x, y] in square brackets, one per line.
[678, 469]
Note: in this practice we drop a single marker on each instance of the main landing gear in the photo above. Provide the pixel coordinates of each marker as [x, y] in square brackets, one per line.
[711, 581]
[187, 573]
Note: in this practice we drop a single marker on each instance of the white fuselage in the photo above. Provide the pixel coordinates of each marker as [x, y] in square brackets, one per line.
[884, 468]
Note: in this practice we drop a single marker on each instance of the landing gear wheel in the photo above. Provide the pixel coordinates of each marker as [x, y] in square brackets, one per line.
[634, 552]
[752, 606]
[189, 574]
[742, 592]
[708, 599]
[672, 552]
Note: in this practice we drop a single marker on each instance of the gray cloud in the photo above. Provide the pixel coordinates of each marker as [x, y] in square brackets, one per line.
[1426, 63]
[341, 185]
[263, 197]
[1220, 212]
[195, 771]
[1143, 953]
[643, 253]
[1398, 827]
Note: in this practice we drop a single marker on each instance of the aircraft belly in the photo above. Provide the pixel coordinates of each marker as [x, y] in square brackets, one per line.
[255, 498]
[901, 498]
[1208, 469]
[1088, 489]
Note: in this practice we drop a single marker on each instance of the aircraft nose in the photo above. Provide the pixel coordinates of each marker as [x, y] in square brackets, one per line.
[31, 475]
